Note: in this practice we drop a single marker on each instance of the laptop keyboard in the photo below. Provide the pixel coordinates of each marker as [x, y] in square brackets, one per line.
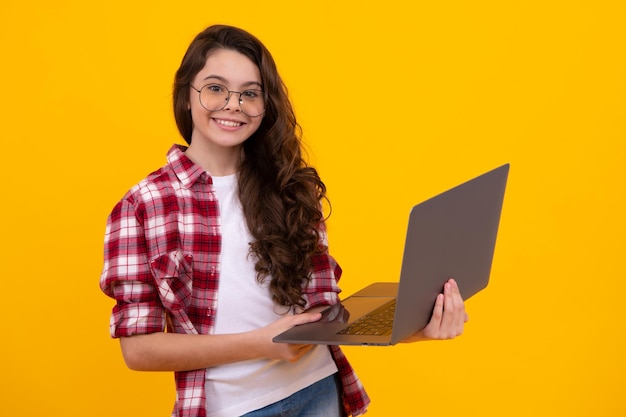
[377, 323]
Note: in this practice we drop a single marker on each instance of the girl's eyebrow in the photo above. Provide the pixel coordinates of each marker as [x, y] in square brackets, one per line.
[223, 80]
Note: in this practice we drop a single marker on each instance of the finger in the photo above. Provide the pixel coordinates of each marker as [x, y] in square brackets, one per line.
[299, 347]
[299, 350]
[306, 318]
[448, 321]
[435, 320]
[305, 348]
[459, 307]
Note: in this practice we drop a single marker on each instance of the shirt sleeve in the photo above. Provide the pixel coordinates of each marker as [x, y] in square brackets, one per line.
[354, 396]
[322, 289]
[126, 275]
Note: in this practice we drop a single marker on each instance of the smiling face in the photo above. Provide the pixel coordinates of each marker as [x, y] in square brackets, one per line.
[221, 133]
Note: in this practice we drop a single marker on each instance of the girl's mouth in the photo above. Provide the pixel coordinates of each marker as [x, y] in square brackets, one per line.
[227, 123]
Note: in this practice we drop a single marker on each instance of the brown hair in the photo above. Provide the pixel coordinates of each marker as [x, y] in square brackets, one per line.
[281, 195]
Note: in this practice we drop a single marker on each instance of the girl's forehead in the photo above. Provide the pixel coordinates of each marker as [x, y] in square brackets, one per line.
[231, 66]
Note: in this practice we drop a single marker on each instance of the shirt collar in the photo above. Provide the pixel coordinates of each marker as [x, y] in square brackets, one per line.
[185, 169]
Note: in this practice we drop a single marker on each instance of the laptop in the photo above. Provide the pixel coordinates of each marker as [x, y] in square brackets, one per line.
[451, 235]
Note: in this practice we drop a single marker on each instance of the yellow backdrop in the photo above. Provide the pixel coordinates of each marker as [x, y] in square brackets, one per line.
[398, 103]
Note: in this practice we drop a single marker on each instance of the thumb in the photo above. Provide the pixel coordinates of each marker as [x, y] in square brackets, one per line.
[306, 318]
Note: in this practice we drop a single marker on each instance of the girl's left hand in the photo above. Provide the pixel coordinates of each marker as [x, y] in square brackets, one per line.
[448, 319]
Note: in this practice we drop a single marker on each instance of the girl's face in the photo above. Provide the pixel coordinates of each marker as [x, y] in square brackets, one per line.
[228, 127]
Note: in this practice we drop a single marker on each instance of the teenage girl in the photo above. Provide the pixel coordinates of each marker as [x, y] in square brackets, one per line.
[224, 247]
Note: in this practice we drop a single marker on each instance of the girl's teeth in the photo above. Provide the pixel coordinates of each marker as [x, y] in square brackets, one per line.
[228, 123]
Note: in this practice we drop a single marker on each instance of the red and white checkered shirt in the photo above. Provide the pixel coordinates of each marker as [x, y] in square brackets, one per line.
[161, 255]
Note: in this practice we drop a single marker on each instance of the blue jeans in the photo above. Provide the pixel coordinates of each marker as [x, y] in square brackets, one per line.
[320, 399]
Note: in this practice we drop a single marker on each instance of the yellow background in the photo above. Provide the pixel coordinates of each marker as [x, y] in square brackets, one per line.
[398, 102]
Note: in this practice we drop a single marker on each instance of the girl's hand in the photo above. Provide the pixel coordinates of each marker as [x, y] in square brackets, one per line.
[284, 351]
[448, 319]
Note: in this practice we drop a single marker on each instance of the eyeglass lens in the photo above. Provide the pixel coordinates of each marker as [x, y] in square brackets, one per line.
[214, 97]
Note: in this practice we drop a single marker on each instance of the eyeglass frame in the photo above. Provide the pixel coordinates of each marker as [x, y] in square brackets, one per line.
[229, 92]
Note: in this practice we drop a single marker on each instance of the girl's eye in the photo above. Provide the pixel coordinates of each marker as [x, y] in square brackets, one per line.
[216, 88]
[251, 94]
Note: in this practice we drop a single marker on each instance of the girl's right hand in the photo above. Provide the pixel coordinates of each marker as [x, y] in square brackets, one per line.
[284, 351]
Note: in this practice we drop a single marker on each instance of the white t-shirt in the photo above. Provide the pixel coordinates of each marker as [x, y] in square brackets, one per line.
[243, 305]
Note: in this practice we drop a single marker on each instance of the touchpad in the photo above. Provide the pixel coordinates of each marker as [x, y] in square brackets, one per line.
[360, 306]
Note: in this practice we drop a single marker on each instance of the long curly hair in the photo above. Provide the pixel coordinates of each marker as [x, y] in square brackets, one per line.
[280, 194]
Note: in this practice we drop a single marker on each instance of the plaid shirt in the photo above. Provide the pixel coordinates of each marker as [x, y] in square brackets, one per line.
[161, 259]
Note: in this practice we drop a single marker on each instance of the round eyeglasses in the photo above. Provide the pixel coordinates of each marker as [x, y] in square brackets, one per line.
[214, 97]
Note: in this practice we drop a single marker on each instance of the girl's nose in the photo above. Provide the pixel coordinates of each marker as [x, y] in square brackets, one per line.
[229, 102]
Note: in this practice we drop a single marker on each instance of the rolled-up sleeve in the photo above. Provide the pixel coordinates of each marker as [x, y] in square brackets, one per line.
[126, 275]
[323, 287]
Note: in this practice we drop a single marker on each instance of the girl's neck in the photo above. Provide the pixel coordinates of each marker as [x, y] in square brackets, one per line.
[217, 161]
